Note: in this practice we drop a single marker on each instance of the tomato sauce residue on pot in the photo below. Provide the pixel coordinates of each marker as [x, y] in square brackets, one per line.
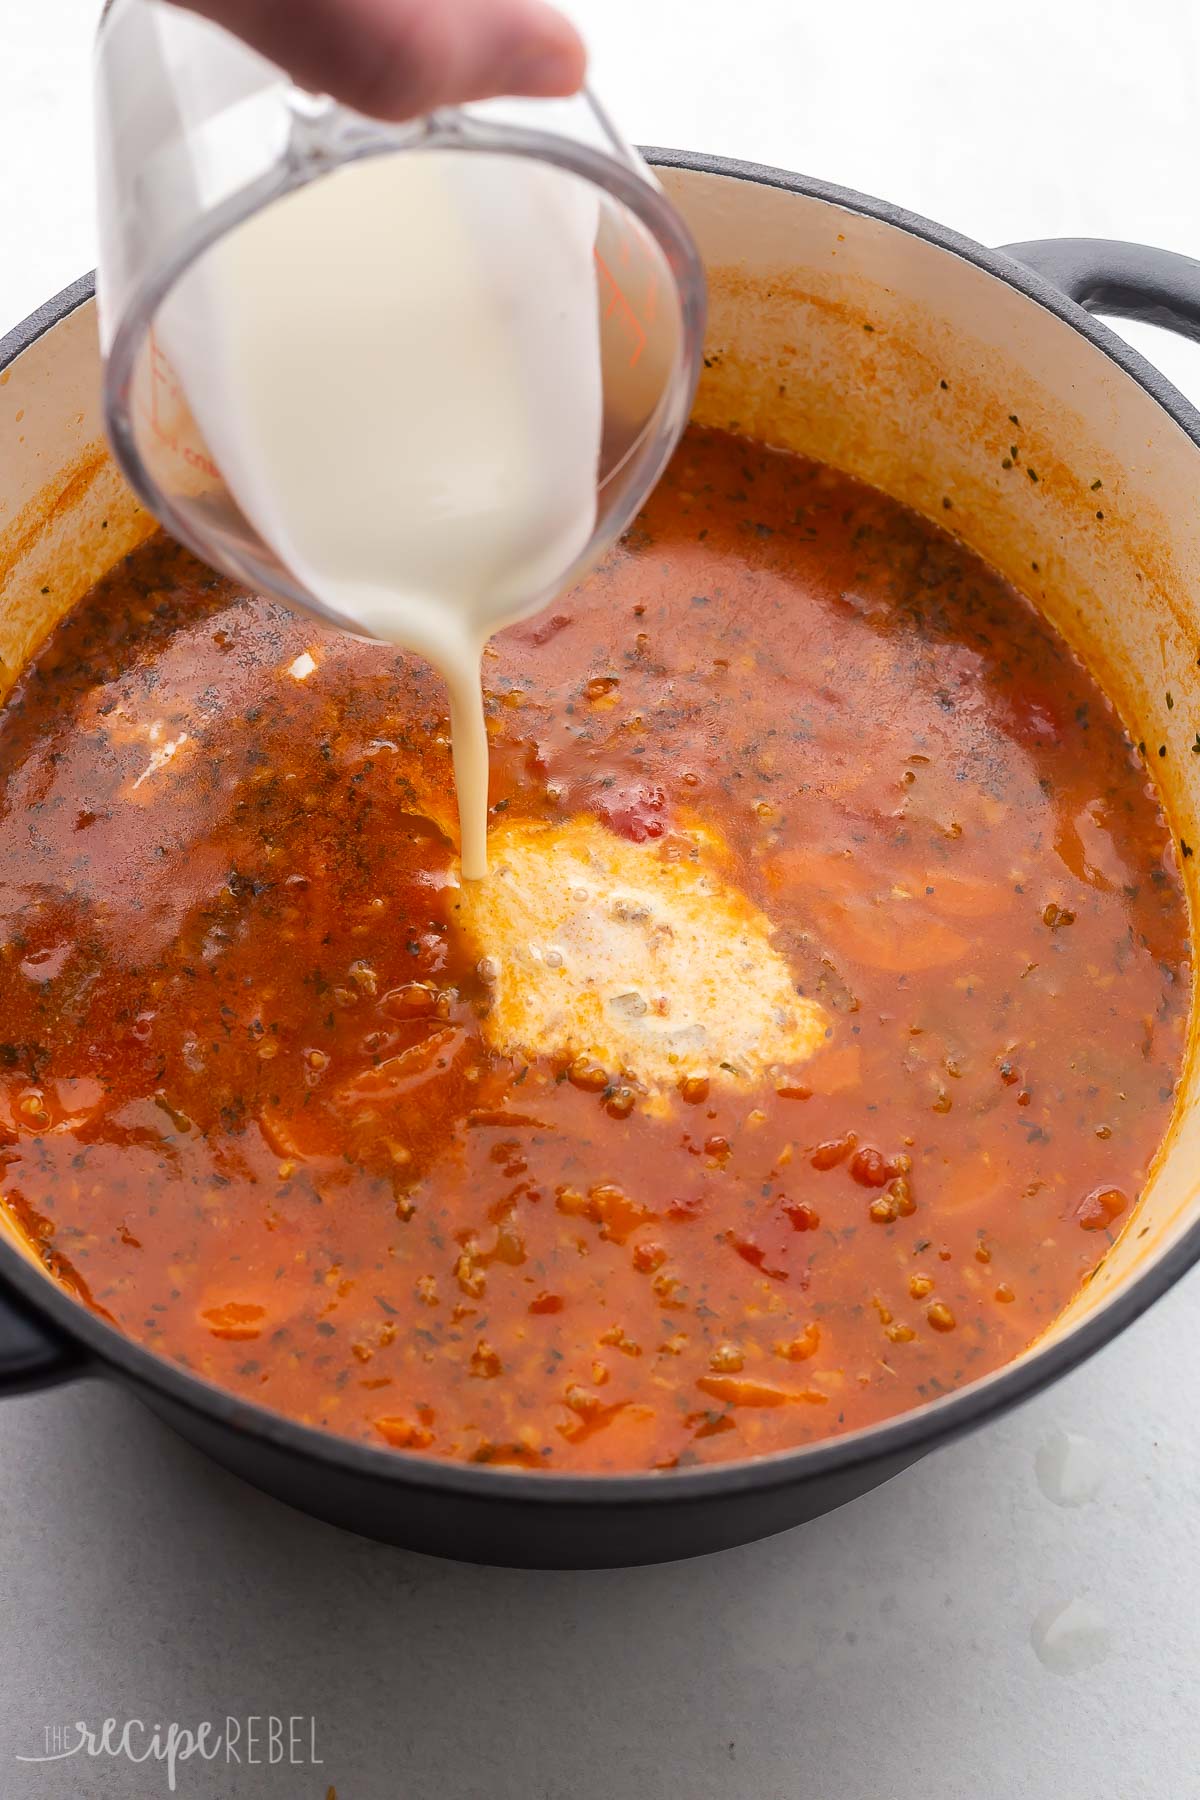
[268, 1098]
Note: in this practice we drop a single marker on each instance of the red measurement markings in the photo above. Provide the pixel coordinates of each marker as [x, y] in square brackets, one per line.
[619, 304]
[163, 379]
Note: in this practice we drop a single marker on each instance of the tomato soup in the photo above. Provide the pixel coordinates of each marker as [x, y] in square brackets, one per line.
[806, 1049]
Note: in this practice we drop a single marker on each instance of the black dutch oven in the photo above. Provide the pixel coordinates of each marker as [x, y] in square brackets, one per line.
[899, 351]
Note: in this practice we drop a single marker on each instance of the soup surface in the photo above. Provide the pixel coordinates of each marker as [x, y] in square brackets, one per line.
[807, 1047]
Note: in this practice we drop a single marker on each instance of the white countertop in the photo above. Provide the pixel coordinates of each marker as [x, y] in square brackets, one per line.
[886, 1652]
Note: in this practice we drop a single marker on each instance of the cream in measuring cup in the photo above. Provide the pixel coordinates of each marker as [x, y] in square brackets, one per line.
[412, 377]
[398, 369]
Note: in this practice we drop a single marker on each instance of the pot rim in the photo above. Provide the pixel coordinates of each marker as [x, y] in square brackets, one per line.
[899, 1440]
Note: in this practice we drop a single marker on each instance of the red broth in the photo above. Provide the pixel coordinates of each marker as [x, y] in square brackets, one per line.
[246, 1107]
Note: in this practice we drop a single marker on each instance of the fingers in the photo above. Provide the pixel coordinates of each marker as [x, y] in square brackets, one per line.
[396, 58]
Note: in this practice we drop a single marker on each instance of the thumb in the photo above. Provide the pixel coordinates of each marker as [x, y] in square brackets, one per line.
[397, 58]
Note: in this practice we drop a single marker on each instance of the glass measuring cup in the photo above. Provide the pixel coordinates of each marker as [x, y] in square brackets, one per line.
[196, 135]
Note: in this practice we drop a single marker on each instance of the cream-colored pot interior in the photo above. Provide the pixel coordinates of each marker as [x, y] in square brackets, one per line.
[892, 358]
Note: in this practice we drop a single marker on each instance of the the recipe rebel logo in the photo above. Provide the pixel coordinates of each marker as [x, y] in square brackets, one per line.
[256, 1740]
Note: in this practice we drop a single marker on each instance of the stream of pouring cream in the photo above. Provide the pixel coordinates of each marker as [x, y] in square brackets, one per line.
[397, 370]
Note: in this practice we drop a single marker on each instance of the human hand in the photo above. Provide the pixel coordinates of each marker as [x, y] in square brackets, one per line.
[396, 58]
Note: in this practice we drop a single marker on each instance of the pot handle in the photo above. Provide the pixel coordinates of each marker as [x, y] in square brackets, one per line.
[1122, 281]
[32, 1355]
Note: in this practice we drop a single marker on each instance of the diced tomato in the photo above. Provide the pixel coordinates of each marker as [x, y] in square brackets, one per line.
[637, 813]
